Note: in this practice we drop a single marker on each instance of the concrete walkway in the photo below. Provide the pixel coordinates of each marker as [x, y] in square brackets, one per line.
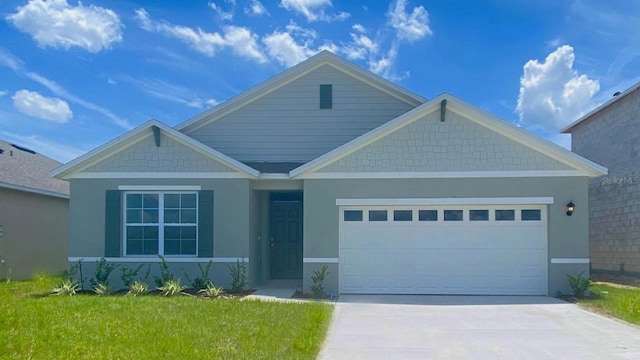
[474, 327]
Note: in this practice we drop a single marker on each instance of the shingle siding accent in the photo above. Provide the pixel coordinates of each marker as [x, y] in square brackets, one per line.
[287, 125]
[611, 138]
[458, 144]
[170, 156]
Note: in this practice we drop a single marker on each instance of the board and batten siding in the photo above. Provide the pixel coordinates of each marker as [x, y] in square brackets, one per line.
[288, 124]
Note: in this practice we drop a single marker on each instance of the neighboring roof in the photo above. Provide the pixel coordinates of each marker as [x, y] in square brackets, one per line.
[274, 167]
[138, 133]
[323, 58]
[481, 117]
[25, 170]
[615, 99]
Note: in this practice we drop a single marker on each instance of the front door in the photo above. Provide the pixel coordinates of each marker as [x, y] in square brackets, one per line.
[285, 241]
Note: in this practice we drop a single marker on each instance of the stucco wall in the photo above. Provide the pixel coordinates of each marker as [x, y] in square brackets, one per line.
[35, 234]
[568, 236]
[612, 139]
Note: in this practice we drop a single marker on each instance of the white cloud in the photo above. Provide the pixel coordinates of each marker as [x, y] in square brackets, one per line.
[47, 108]
[54, 23]
[166, 91]
[552, 93]
[255, 8]
[58, 151]
[282, 47]
[3, 93]
[212, 102]
[224, 15]
[359, 28]
[314, 10]
[360, 47]
[239, 39]
[409, 26]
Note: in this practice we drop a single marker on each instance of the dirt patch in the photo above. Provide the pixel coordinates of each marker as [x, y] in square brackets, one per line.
[614, 280]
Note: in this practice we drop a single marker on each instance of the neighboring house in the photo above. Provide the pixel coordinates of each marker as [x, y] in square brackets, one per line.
[610, 135]
[329, 164]
[34, 214]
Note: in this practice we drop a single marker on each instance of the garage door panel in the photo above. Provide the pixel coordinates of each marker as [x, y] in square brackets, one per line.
[467, 257]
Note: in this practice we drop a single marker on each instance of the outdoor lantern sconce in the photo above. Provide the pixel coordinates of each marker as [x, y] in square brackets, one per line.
[570, 207]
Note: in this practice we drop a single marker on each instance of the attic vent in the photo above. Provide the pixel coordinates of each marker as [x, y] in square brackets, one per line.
[23, 149]
[326, 96]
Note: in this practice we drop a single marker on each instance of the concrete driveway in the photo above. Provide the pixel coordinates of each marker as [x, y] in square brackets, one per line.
[474, 327]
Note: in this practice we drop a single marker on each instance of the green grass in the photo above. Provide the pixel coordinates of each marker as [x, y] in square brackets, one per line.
[620, 302]
[127, 327]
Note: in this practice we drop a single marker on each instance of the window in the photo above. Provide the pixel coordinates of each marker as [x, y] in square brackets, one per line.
[479, 215]
[530, 215]
[377, 215]
[505, 215]
[402, 215]
[161, 223]
[353, 215]
[428, 215]
[453, 215]
[326, 96]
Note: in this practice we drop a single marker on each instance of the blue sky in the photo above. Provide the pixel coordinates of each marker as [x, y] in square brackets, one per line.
[75, 75]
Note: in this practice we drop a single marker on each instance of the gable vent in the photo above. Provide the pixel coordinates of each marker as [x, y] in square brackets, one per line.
[326, 96]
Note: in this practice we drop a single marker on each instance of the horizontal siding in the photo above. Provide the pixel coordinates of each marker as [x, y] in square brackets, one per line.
[288, 124]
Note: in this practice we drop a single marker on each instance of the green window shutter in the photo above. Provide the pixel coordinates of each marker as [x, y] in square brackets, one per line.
[326, 96]
[112, 224]
[205, 223]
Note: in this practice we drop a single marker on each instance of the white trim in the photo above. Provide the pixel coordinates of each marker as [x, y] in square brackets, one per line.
[160, 187]
[447, 201]
[32, 190]
[320, 260]
[570, 260]
[443, 174]
[155, 175]
[155, 259]
[270, 176]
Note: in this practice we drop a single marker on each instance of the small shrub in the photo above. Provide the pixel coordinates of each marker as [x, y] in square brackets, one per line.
[165, 273]
[138, 287]
[579, 284]
[66, 288]
[72, 272]
[212, 291]
[172, 287]
[103, 270]
[129, 275]
[101, 289]
[317, 288]
[238, 276]
[202, 280]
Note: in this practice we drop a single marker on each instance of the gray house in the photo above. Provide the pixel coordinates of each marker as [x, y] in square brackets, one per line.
[329, 164]
[34, 214]
[610, 135]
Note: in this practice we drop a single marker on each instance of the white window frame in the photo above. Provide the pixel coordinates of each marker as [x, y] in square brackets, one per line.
[161, 224]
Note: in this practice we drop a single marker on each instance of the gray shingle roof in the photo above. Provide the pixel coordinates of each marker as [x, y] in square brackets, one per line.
[24, 169]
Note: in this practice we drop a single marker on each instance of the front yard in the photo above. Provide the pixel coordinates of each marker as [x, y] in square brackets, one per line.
[614, 300]
[33, 326]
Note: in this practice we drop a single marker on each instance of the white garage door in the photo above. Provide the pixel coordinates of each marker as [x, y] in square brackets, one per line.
[455, 249]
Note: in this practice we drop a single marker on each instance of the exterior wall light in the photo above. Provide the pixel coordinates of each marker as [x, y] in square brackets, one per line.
[570, 207]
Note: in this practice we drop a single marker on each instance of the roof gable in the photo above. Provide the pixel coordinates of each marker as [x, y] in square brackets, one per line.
[321, 59]
[523, 138]
[110, 155]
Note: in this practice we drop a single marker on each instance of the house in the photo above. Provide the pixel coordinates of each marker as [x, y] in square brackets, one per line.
[610, 135]
[329, 164]
[34, 214]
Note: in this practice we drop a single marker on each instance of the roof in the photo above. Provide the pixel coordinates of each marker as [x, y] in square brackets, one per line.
[274, 167]
[323, 58]
[138, 133]
[611, 102]
[25, 170]
[454, 104]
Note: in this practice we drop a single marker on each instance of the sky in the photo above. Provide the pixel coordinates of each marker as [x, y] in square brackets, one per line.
[74, 75]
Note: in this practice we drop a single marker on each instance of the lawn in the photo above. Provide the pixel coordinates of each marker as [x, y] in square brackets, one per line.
[619, 301]
[125, 327]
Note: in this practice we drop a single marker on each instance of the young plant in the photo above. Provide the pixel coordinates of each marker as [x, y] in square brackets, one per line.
[101, 290]
[165, 273]
[66, 288]
[129, 275]
[202, 280]
[317, 288]
[238, 276]
[103, 270]
[212, 291]
[579, 284]
[172, 287]
[138, 287]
